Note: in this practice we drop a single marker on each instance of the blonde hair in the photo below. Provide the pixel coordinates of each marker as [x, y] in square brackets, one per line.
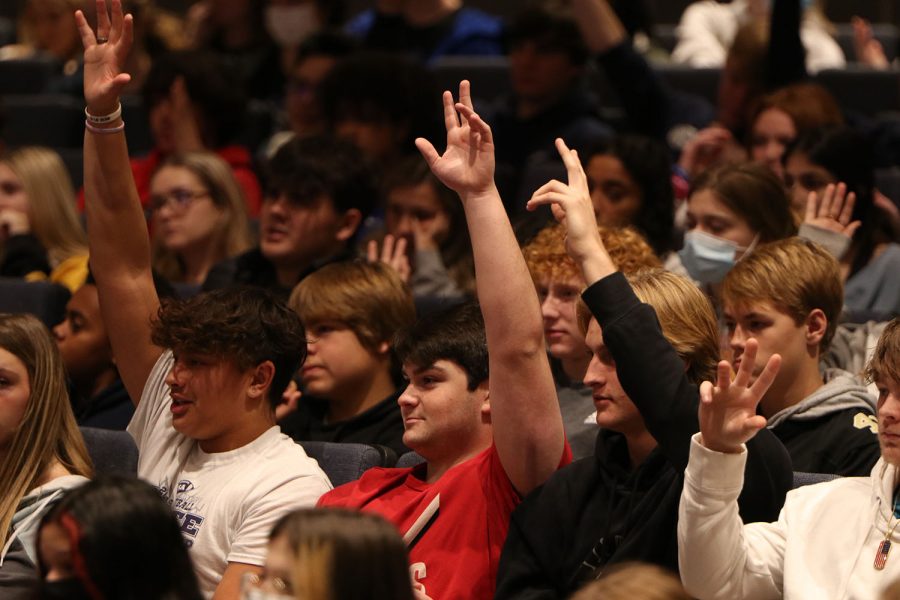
[369, 298]
[547, 259]
[685, 315]
[343, 554]
[795, 275]
[233, 234]
[51, 201]
[634, 581]
[48, 431]
[885, 361]
[25, 28]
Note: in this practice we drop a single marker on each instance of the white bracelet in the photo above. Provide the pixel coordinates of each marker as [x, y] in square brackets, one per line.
[103, 119]
[118, 129]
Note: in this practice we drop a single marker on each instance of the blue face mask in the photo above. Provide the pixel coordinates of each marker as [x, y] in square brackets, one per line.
[708, 258]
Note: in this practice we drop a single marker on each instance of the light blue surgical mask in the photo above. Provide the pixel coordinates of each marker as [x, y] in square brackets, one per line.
[708, 258]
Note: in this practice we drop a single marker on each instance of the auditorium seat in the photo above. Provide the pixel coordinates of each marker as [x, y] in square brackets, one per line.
[45, 300]
[52, 120]
[112, 452]
[344, 463]
[26, 75]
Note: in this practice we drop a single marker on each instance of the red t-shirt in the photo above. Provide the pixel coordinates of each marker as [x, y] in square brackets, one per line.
[457, 551]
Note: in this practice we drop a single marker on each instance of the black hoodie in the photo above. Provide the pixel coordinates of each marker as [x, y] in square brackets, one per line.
[599, 511]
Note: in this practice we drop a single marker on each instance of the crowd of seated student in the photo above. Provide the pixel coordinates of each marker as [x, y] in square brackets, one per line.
[331, 325]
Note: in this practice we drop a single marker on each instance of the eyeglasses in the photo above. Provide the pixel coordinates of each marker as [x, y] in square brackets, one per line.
[257, 587]
[177, 198]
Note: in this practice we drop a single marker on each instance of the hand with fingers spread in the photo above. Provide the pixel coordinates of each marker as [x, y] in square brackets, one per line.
[832, 210]
[572, 207]
[728, 416]
[467, 165]
[105, 55]
[393, 254]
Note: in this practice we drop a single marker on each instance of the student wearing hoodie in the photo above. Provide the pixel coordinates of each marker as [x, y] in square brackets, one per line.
[653, 338]
[42, 453]
[788, 295]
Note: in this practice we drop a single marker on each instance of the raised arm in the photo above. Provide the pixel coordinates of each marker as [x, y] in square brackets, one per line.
[718, 556]
[117, 231]
[649, 369]
[527, 425]
[572, 207]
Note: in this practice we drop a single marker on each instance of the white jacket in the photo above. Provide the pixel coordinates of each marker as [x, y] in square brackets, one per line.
[707, 29]
[822, 546]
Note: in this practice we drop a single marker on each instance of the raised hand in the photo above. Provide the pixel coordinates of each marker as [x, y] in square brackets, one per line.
[104, 56]
[571, 206]
[728, 410]
[183, 118]
[467, 165]
[393, 254]
[832, 211]
[869, 51]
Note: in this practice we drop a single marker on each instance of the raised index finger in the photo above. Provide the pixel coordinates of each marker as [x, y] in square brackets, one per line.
[84, 30]
[451, 121]
[570, 160]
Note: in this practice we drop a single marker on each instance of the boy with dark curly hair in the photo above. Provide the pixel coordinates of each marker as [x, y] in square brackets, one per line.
[204, 374]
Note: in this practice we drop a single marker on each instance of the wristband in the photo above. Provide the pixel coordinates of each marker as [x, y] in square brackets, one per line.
[103, 119]
[104, 130]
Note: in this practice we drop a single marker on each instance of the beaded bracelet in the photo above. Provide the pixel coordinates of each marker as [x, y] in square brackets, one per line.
[103, 130]
[103, 119]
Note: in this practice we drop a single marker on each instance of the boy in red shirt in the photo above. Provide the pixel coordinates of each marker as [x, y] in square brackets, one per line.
[487, 441]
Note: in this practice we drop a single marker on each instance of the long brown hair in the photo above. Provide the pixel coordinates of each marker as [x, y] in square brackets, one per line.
[51, 201]
[48, 431]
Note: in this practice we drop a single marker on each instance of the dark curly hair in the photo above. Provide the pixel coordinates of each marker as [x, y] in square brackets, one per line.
[245, 325]
[306, 168]
[647, 162]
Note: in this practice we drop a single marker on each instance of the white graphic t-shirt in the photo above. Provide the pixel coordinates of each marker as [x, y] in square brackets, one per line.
[225, 502]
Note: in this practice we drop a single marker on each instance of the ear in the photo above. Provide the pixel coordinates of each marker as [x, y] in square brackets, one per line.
[484, 391]
[349, 223]
[383, 348]
[261, 380]
[816, 324]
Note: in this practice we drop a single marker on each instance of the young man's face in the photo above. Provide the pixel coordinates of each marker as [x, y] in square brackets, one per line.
[615, 410]
[889, 419]
[81, 337]
[440, 414]
[209, 400]
[337, 364]
[775, 331]
[299, 233]
[558, 298]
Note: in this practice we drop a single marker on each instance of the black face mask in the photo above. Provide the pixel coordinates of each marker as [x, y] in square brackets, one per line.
[63, 589]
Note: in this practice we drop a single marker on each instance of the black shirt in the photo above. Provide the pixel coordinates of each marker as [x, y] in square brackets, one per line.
[382, 424]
